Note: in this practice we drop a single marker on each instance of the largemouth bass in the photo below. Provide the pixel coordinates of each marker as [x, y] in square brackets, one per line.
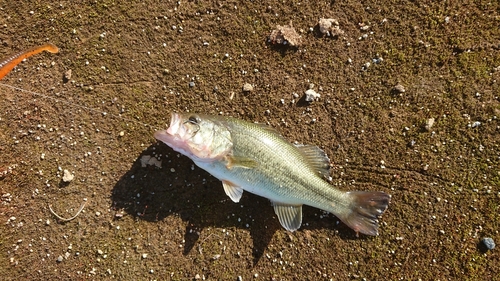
[256, 158]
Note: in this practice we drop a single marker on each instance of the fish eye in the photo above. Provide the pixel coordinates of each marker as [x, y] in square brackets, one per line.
[193, 119]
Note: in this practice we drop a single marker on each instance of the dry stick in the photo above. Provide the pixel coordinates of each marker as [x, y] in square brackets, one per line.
[73, 217]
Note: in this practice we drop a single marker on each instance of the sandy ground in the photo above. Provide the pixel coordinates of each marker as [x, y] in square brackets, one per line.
[432, 142]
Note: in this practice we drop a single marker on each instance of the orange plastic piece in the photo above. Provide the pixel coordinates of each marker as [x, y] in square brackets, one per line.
[7, 64]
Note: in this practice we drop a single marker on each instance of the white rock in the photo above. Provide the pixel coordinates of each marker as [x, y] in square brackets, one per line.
[429, 123]
[311, 95]
[247, 87]
[399, 88]
[330, 27]
[154, 162]
[67, 177]
[151, 161]
[326, 24]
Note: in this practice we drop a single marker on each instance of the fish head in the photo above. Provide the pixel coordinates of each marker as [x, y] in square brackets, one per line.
[198, 137]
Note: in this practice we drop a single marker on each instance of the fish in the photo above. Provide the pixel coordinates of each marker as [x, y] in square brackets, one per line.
[8, 63]
[255, 158]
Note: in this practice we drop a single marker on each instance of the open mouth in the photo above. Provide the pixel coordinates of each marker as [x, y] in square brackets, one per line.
[175, 124]
[176, 133]
[169, 135]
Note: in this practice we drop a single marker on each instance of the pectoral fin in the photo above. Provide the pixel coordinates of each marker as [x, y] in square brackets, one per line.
[241, 162]
[290, 216]
[233, 191]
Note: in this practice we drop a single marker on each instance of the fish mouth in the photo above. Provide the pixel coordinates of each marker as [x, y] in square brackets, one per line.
[175, 124]
[174, 133]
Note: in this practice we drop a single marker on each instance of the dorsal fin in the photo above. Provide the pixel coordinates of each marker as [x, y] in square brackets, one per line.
[317, 158]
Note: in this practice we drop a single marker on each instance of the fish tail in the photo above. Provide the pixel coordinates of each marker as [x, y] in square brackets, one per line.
[366, 208]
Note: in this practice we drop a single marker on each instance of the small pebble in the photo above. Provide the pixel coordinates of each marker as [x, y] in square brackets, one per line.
[247, 87]
[330, 27]
[67, 75]
[192, 84]
[285, 35]
[475, 124]
[60, 258]
[488, 243]
[429, 123]
[399, 88]
[67, 177]
[311, 95]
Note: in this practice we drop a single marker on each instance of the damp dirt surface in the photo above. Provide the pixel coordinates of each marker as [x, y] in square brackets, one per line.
[409, 105]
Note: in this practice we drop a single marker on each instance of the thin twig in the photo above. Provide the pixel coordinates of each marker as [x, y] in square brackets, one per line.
[73, 217]
[203, 241]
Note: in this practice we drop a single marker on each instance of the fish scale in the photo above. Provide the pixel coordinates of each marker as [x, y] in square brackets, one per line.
[282, 174]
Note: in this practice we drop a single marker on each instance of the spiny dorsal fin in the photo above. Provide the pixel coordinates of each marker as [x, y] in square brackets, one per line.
[290, 216]
[317, 158]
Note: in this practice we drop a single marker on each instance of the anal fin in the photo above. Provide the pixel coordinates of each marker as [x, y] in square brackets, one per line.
[233, 191]
[290, 216]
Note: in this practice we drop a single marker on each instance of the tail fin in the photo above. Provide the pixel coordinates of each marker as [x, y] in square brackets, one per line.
[365, 209]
